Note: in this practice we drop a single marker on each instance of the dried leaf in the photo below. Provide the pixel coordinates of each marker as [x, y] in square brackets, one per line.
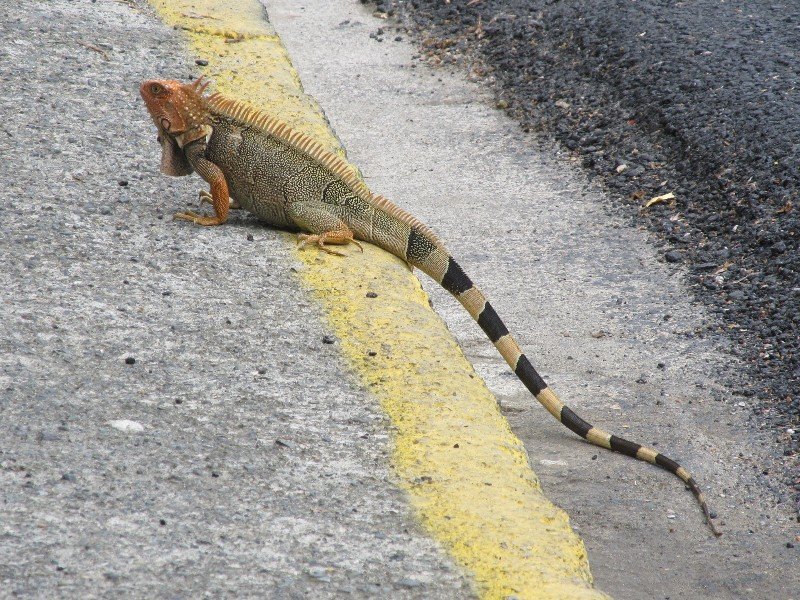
[723, 267]
[657, 199]
[94, 48]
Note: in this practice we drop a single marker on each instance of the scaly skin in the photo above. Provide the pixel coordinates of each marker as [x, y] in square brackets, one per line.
[288, 180]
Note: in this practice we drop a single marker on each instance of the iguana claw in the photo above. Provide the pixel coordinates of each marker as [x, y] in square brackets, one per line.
[330, 237]
[197, 219]
[207, 198]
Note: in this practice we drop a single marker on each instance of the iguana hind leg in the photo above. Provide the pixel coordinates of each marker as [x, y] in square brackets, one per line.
[329, 237]
[325, 227]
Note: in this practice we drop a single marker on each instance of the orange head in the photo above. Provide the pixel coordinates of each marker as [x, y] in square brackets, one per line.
[177, 109]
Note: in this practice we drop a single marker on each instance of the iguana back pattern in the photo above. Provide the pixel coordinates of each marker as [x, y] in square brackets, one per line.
[289, 180]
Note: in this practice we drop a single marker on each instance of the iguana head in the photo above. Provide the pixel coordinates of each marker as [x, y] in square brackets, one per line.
[180, 112]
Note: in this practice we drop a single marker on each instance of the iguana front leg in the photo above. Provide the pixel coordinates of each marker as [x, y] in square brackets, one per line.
[325, 227]
[211, 173]
[207, 198]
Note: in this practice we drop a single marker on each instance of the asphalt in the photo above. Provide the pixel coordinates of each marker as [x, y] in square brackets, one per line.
[693, 99]
[295, 445]
[260, 468]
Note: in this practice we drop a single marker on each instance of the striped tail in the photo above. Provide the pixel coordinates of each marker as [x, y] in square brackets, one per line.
[434, 260]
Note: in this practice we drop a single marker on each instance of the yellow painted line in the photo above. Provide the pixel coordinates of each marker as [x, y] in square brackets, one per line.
[465, 472]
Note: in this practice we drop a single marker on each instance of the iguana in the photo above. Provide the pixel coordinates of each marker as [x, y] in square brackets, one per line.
[288, 180]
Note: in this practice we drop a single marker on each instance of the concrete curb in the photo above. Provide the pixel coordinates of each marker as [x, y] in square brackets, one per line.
[466, 474]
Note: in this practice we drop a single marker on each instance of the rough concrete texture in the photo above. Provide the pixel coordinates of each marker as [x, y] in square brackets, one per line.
[260, 469]
[312, 515]
[610, 327]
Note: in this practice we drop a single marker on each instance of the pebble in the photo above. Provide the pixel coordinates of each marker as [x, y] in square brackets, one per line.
[409, 583]
[320, 574]
[127, 425]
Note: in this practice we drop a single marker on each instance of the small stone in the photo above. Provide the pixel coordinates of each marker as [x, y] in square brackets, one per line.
[130, 360]
[778, 248]
[105, 210]
[319, 573]
[409, 583]
[673, 256]
[127, 425]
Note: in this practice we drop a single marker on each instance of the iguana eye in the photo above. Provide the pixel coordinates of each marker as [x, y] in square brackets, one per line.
[156, 89]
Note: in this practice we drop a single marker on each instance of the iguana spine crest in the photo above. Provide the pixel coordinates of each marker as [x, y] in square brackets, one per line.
[245, 113]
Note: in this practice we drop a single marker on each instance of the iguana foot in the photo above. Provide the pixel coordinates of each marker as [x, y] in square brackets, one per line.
[206, 197]
[340, 238]
[197, 219]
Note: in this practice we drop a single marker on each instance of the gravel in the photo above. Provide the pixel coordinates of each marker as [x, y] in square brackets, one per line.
[656, 98]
